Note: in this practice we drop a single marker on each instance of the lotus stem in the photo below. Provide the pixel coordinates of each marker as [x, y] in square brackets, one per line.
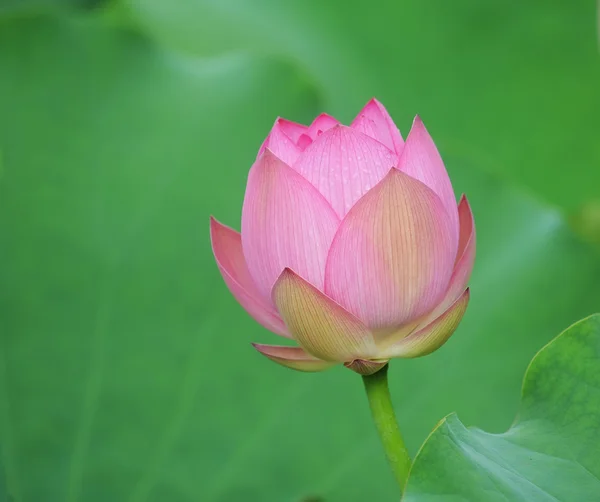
[383, 414]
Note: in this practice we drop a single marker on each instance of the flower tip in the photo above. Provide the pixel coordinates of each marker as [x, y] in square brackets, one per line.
[323, 115]
[376, 102]
[287, 272]
[267, 152]
[262, 348]
[214, 225]
[268, 160]
[418, 121]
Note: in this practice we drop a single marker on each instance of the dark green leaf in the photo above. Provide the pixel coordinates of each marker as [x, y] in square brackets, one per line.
[550, 453]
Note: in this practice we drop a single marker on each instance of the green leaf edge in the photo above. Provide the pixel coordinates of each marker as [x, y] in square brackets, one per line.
[454, 416]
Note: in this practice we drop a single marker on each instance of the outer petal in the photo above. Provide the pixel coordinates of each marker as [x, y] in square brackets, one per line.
[281, 144]
[292, 357]
[318, 324]
[375, 121]
[464, 261]
[321, 124]
[227, 248]
[344, 164]
[432, 336]
[285, 223]
[458, 281]
[392, 257]
[420, 159]
[465, 258]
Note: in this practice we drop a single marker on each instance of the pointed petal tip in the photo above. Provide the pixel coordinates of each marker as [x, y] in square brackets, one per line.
[268, 153]
[215, 227]
[374, 102]
[273, 350]
[292, 357]
[324, 115]
[286, 273]
[379, 126]
[271, 159]
[463, 202]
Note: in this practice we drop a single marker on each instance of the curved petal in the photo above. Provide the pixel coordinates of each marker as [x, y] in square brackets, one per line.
[295, 358]
[321, 124]
[375, 121]
[458, 280]
[365, 125]
[464, 262]
[285, 223]
[343, 164]
[227, 248]
[292, 130]
[281, 145]
[432, 336]
[421, 160]
[392, 257]
[465, 258]
[318, 324]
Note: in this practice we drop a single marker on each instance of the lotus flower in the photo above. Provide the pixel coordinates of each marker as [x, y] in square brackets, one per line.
[352, 243]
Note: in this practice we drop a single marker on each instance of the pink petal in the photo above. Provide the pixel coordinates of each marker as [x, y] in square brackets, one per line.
[291, 129]
[421, 160]
[375, 121]
[285, 223]
[281, 144]
[365, 367]
[292, 357]
[464, 262]
[227, 248]
[458, 281]
[318, 324]
[343, 164]
[465, 258]
[392, 257]
[321, 124]
[432, 336]
[367, 127]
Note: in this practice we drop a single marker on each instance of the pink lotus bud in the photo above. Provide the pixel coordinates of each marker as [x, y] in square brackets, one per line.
[352, 243]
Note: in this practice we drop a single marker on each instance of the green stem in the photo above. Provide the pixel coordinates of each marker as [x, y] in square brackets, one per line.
[380, 403]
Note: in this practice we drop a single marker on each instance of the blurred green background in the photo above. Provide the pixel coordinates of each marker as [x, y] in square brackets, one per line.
[126, 372]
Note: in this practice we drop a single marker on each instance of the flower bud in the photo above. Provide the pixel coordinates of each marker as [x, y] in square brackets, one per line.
[352, 243]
